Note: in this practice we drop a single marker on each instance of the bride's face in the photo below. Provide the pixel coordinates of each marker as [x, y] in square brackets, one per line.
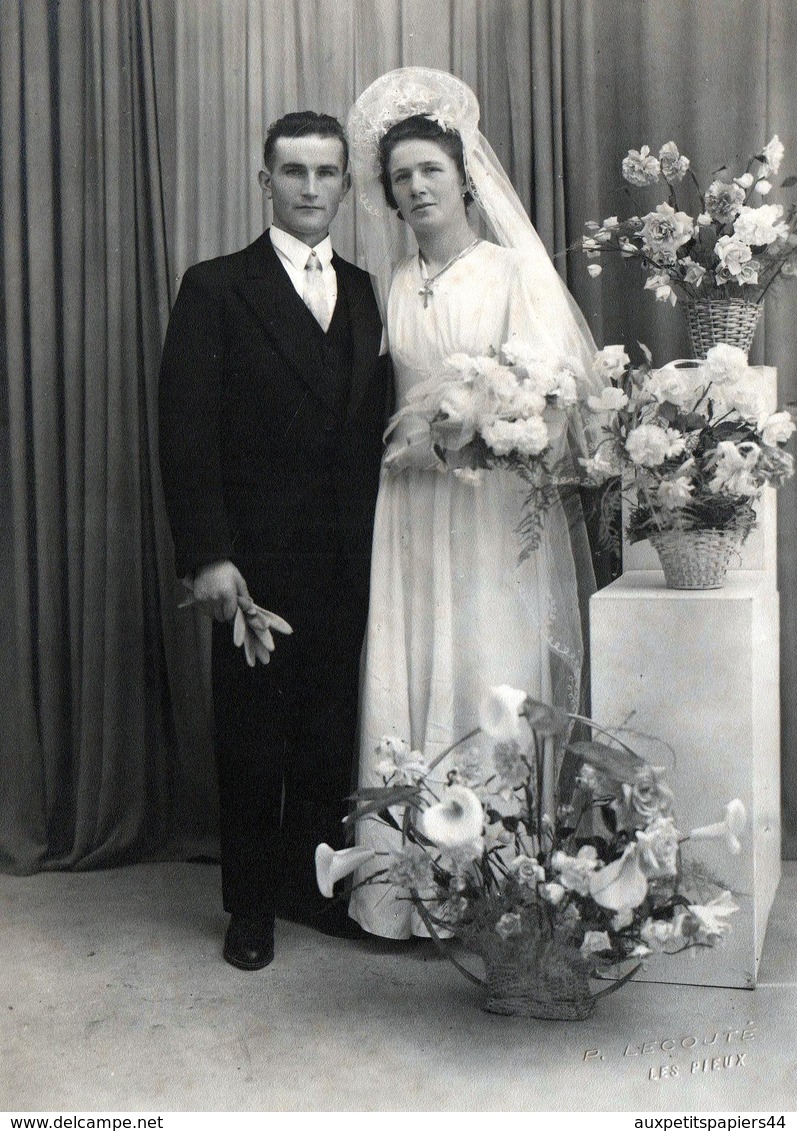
[426, 184]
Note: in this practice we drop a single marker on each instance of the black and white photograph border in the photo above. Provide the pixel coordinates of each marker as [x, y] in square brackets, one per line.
[132, 138]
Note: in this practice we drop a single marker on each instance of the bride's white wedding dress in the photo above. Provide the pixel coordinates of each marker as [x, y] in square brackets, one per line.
[451, 610]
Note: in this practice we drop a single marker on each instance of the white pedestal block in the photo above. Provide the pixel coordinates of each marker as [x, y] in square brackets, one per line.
[759, 551]
[697, 672]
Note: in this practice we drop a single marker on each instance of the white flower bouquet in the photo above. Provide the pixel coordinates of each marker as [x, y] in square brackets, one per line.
[692, 439]
[729, 244]
[507, 410]
[547, 900]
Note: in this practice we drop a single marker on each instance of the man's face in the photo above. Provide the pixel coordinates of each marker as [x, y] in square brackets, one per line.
[306, 184]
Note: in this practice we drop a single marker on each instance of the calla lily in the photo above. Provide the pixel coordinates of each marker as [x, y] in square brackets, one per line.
[499, 716]
[621, 885]
[455, 821]
[729, 829]
[332, 865]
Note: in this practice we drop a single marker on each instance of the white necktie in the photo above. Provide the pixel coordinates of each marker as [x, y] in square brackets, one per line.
[314, 292]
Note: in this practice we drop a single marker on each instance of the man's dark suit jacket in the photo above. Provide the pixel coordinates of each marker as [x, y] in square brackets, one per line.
[256, 455]
[271, 442]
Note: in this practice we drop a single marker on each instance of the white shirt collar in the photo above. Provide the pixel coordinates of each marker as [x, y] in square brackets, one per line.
[297, 252]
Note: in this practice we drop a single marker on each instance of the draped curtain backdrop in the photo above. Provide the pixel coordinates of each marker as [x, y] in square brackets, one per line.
[130, 143]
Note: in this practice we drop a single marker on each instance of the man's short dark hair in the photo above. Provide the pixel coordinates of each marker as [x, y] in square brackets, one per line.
[304, 123]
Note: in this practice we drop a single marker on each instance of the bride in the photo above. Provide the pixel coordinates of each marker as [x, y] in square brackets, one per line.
[452, 611]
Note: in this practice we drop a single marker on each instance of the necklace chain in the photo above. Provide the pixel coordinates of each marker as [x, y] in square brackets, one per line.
[426, 292]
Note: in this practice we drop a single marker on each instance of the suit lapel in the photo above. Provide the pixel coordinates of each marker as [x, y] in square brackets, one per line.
[270, 294]
[366, 332]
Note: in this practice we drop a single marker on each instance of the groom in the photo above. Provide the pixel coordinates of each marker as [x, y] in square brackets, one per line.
[273, 400]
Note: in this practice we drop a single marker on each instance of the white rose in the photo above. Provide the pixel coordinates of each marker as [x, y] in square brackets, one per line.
[574, 871]
[640, 167]
[675, 493]
[611, 399]
[526, 437]
[725, 364]
[758, 226]
[648, 445]
[693, 272]
[533, 436]
[459, 404]
[665, 230]
[678, 385]
[553, 892]
[527, 871]
[742, 397]
[734, 469]
[723, 201]
[658, 848]
[528, 401]
[776, 428]
[732, 253]
[610, 363]
[661, 285]
[673, 166]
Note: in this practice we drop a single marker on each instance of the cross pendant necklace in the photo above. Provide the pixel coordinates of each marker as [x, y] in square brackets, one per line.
[427, 290]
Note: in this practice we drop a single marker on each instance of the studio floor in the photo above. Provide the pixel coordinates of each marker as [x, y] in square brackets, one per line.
[114, 997]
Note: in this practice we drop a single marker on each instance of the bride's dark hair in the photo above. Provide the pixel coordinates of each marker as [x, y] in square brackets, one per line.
[421, 128]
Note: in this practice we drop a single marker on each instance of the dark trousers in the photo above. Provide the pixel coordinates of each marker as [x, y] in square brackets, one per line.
[285, 743]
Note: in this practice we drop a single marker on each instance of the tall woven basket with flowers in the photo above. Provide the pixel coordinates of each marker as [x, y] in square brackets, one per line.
[694, 448]
[549, 895]
[717, 260]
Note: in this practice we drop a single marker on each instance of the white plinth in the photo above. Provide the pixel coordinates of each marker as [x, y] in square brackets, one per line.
[759, 551]
[699, 672]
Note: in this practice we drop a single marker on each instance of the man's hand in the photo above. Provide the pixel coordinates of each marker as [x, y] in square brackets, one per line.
[217, 589]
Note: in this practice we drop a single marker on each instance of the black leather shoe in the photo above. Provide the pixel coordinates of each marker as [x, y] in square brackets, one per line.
[249, 943]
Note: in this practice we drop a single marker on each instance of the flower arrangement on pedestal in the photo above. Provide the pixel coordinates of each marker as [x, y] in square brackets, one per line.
[510, 411]
[695, 447]
[547, 899]
[729, 249]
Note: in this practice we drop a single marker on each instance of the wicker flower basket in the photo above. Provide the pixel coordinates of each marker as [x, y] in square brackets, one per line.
[696, 559]
[532, 975]
[555, 989]
[730, 320]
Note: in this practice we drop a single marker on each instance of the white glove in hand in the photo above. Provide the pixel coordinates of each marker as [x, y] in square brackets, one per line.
[252, 628]
[251, 625]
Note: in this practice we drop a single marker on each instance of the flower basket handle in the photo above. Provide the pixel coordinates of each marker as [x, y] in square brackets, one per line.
[442, 944]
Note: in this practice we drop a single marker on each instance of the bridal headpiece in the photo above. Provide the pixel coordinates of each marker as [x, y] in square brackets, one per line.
[406, 93]
[447, 100]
